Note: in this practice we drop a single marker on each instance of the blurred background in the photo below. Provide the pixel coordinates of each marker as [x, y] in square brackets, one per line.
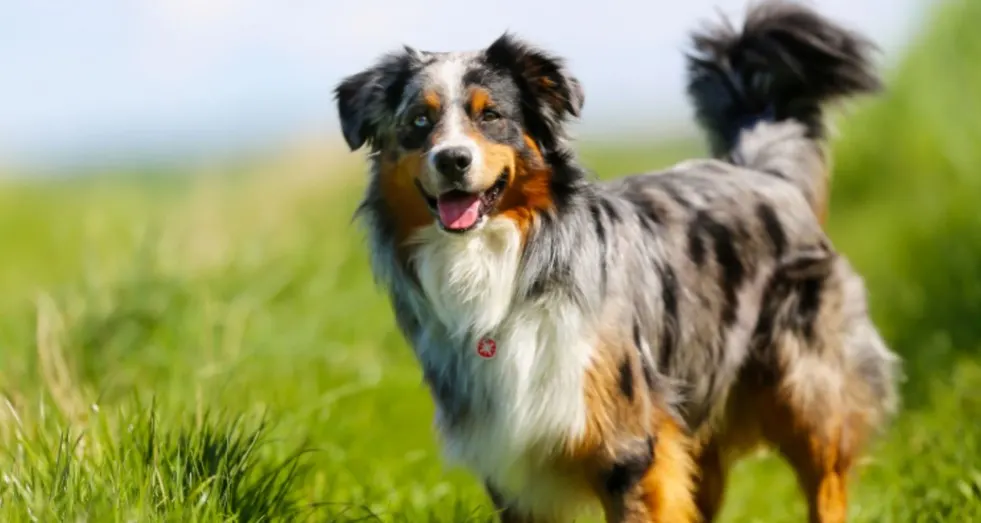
[185, 306]
[122, 82]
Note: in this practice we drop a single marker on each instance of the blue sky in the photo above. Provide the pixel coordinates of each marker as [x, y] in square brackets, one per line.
[105, 78]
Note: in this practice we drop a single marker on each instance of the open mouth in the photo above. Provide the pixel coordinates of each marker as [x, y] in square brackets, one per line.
[460, 211]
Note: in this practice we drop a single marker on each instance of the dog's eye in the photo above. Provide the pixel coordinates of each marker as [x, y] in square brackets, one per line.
[490, 115]
[420, 122]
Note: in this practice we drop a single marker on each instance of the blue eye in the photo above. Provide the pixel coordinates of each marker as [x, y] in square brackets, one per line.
[421, 121]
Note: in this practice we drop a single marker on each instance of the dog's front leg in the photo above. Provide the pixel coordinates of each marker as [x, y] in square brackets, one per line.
[656, 488]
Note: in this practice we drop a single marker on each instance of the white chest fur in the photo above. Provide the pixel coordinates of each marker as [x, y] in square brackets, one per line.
[532, 387]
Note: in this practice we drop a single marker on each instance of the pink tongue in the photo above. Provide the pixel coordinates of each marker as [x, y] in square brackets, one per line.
[458, 211]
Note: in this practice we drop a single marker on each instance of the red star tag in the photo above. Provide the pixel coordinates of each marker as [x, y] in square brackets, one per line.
[486, 348]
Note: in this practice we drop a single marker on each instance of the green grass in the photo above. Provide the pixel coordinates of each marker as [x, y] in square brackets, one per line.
[212, 348]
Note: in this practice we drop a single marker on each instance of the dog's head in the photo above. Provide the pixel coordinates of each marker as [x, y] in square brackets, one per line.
[460, 137]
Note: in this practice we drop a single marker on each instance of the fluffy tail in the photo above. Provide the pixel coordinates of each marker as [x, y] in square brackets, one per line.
[759, 92]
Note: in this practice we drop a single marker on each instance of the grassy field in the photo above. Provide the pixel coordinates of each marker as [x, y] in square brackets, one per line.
[211, 347]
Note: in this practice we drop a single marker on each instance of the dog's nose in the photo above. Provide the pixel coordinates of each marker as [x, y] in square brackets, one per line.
[454, 162]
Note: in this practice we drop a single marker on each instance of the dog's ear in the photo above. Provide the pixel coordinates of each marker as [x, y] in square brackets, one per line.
[551, 93]
[366, 101]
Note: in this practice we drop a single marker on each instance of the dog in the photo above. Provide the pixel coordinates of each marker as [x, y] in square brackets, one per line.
[621, 343]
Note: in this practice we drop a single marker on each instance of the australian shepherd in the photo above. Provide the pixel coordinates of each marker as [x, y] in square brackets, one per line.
[624, 342]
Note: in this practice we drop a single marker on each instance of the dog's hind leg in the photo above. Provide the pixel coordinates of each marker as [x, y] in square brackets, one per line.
[818, 452]
[711, 475]
[835, 386]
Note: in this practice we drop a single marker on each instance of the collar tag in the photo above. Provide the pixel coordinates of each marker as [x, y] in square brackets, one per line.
[486, 348]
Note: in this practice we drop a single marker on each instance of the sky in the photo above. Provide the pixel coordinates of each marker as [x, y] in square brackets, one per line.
[105, 79]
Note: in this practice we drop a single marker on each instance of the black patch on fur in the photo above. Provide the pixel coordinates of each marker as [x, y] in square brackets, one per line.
[597, 214]
[395, 90]
[809, 305]
[733, 273]
[568, 179]
[611, 210]
[774, 294]
[762, 350]
[478, 76]
[696, 248]
[630, 467]
[627, 378]
[671, 321]
[774, 231]
[596, 211]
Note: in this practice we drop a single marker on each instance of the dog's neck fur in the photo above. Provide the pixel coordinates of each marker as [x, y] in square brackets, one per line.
[468, 280]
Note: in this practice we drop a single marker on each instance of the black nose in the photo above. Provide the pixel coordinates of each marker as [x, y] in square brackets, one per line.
[453, 162]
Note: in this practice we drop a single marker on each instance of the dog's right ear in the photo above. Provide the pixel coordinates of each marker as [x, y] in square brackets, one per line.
[366, 101]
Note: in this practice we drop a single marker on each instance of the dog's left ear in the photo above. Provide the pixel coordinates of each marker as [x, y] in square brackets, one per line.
[552, 92]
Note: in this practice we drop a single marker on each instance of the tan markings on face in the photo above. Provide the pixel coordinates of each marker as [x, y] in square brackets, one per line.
[479, 100]
[432, 103]
[529, 189]
[497, 159]
[397, 178]
[431, 99]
